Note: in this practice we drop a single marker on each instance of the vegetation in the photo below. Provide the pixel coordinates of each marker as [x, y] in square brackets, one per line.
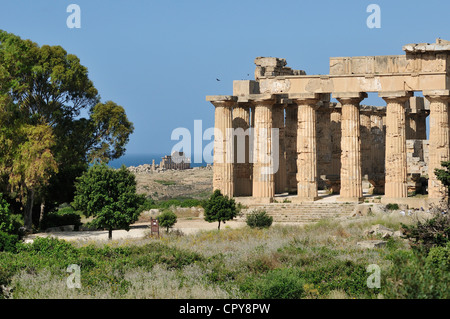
[314, 261]
[220, 208]
[109, 196]
[165, 183]
[167, 219]
[64, 215]
[391, 206]
[259, 219]
[44, 142]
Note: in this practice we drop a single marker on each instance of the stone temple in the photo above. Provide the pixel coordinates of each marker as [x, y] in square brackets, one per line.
[296, 141]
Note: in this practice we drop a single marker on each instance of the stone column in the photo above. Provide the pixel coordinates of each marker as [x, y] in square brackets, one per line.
[263, 170]
[223, 175]
[439, 140]
[278, 122]
[306, 146]
[291, 147]
[351, 171]
[242, 165]
[396, 164]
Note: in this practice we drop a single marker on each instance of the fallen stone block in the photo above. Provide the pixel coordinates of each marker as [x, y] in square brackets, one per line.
[371, 243]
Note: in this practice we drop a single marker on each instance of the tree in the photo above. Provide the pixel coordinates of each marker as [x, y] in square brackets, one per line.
[27, 162]
[219, 208]
[167, 219]
[109, 196]
[47, 86]
[443, 175]
[6, 225]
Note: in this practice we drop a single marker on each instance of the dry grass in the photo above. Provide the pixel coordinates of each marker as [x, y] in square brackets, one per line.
[241, 251]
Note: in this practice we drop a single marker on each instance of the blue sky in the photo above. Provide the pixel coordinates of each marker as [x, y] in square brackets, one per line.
[159, 59]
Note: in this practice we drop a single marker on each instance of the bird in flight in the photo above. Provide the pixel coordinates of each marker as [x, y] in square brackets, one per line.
[217, 79]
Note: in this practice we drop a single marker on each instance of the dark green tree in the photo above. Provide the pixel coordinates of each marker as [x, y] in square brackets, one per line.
[46, 86]
[443, 174]
[109, 196]
[167, 219]
[220, 208]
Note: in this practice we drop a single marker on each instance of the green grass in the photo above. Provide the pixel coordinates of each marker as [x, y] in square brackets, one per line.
[316, 261]
[165, 182]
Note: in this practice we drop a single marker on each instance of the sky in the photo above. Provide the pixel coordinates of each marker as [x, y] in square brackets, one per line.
[159, 59]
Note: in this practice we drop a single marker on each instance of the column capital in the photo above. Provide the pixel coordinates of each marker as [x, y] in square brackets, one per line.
[244, 105]
[262, 99]
[439, 95]
[222, 100]
[350, 97]
[400, 96]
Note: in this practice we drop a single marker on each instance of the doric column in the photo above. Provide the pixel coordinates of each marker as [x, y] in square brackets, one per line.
[439, 140]
[306, 146]
[223, 175]
[242, 165]
[396, 163]
[291, 146]
[351, 173]
[278, 122]
[263, 161]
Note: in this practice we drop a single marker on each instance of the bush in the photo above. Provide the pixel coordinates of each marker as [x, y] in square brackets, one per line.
[61, 217]
[259, 219]
[167, 219]
[415, 276]
[439, 257]
[275, 284]
[8, 242]
[432, 232]
[391, 206]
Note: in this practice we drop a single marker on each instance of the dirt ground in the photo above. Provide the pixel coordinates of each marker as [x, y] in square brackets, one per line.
[195, 183]
[139, 230]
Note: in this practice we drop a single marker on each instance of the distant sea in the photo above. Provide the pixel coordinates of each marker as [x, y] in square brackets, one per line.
[141, 159]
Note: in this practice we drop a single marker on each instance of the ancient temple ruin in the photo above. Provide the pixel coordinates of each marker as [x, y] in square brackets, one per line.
[337, 146]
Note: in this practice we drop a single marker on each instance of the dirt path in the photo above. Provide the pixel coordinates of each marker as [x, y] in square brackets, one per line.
[140, 230]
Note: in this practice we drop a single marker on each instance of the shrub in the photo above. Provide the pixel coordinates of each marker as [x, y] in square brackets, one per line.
[8, 242]
[276, 284]
[61, 217]
[439, 257]
[429, 233]
[167, 219]
[391, 206]
[414, 276]
[259, 219]
[148, 204]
